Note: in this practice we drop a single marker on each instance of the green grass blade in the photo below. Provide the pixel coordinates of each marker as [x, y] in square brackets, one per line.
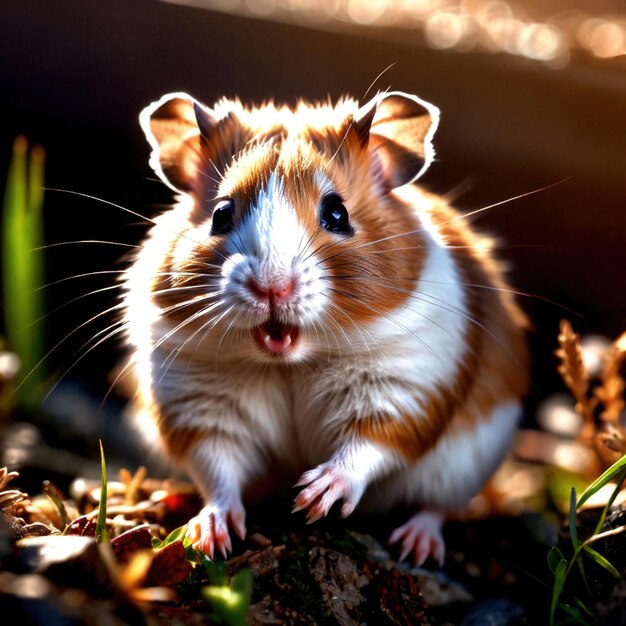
[13, 214]
[576, 614]
[601, 560]
[50, 490]
[584, 609]
[34, 243]
[101, 522]
[573, 531]
[606, 477]
[609, 504]
[557, 587]
[23, 268]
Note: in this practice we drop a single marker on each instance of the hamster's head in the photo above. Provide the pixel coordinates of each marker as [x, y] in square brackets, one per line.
[289, 241]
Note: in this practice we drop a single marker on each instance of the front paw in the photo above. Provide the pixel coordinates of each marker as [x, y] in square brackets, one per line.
[210, 528]
[325, 485]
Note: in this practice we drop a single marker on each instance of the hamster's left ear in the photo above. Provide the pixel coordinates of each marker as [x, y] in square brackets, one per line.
[397, 129]
[172, 130]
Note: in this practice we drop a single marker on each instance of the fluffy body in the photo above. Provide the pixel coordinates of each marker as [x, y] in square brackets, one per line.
[383, 365]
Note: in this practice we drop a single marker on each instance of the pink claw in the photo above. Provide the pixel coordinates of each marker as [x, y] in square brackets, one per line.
[209, 529]
[237, 519]
[421, 536]
[324, 486]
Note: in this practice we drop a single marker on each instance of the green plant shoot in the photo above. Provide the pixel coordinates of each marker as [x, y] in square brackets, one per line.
[230, 603]
[23, 269]
[101, 522]
[560, 567]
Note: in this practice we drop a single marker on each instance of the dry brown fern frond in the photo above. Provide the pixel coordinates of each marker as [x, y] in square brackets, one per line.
[6, 477]
[9, 497]
[602, 430]
[574, 375]
[610, 393]
[611, 390]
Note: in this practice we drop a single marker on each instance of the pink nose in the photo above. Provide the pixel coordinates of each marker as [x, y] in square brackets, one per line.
[274, 291]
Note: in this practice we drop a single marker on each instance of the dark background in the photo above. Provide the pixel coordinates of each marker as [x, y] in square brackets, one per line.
[74, 76]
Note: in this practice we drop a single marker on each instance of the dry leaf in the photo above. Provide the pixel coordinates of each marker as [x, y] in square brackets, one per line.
[128, 543]
[169, 567]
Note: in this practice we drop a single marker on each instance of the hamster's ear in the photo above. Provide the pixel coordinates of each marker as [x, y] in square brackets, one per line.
[173, 132]
[397, 129]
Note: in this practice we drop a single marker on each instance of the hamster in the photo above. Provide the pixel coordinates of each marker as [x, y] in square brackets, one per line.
[305, 313]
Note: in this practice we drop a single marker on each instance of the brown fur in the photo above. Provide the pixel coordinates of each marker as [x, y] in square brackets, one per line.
[337, 152]
[372, 274]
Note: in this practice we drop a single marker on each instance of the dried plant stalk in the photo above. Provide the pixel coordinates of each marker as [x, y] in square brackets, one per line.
[611, 391]
[572, 371]
[6, 477]
[611, 394]
[132, 483]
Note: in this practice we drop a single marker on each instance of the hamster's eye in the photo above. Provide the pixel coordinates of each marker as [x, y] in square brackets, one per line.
[334, 215]
[223, 217]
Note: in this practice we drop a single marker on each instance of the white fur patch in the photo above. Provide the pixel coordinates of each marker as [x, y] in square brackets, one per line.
[364, 460]
[270, 232]
[426, 335]
[267, 248]
[450, 474]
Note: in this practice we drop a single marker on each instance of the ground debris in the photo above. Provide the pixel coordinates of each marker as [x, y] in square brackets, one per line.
[69, 560]
[341, 584]
[319, 579]
[401, 599]
[327, 575]
[34, 599]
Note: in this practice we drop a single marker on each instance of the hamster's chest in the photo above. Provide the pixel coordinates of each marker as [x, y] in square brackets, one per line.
[293, 428]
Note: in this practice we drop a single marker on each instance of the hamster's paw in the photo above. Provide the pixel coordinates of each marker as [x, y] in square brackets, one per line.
[326, 484]
[209, 529]
[421, 536]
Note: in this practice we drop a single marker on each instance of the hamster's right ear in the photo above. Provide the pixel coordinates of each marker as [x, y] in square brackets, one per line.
[397, 128]
[173, 127]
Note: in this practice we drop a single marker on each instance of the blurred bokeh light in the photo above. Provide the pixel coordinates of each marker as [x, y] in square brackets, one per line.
[549, 32]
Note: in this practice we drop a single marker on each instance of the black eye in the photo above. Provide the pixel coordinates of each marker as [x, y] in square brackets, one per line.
[334, 215]
[223, 217]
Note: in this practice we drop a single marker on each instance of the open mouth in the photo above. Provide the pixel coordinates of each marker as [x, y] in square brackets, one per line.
[276, 338]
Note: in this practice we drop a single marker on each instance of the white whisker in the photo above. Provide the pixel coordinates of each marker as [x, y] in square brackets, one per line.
[85, 241]
[112, 333]
[456, 218]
